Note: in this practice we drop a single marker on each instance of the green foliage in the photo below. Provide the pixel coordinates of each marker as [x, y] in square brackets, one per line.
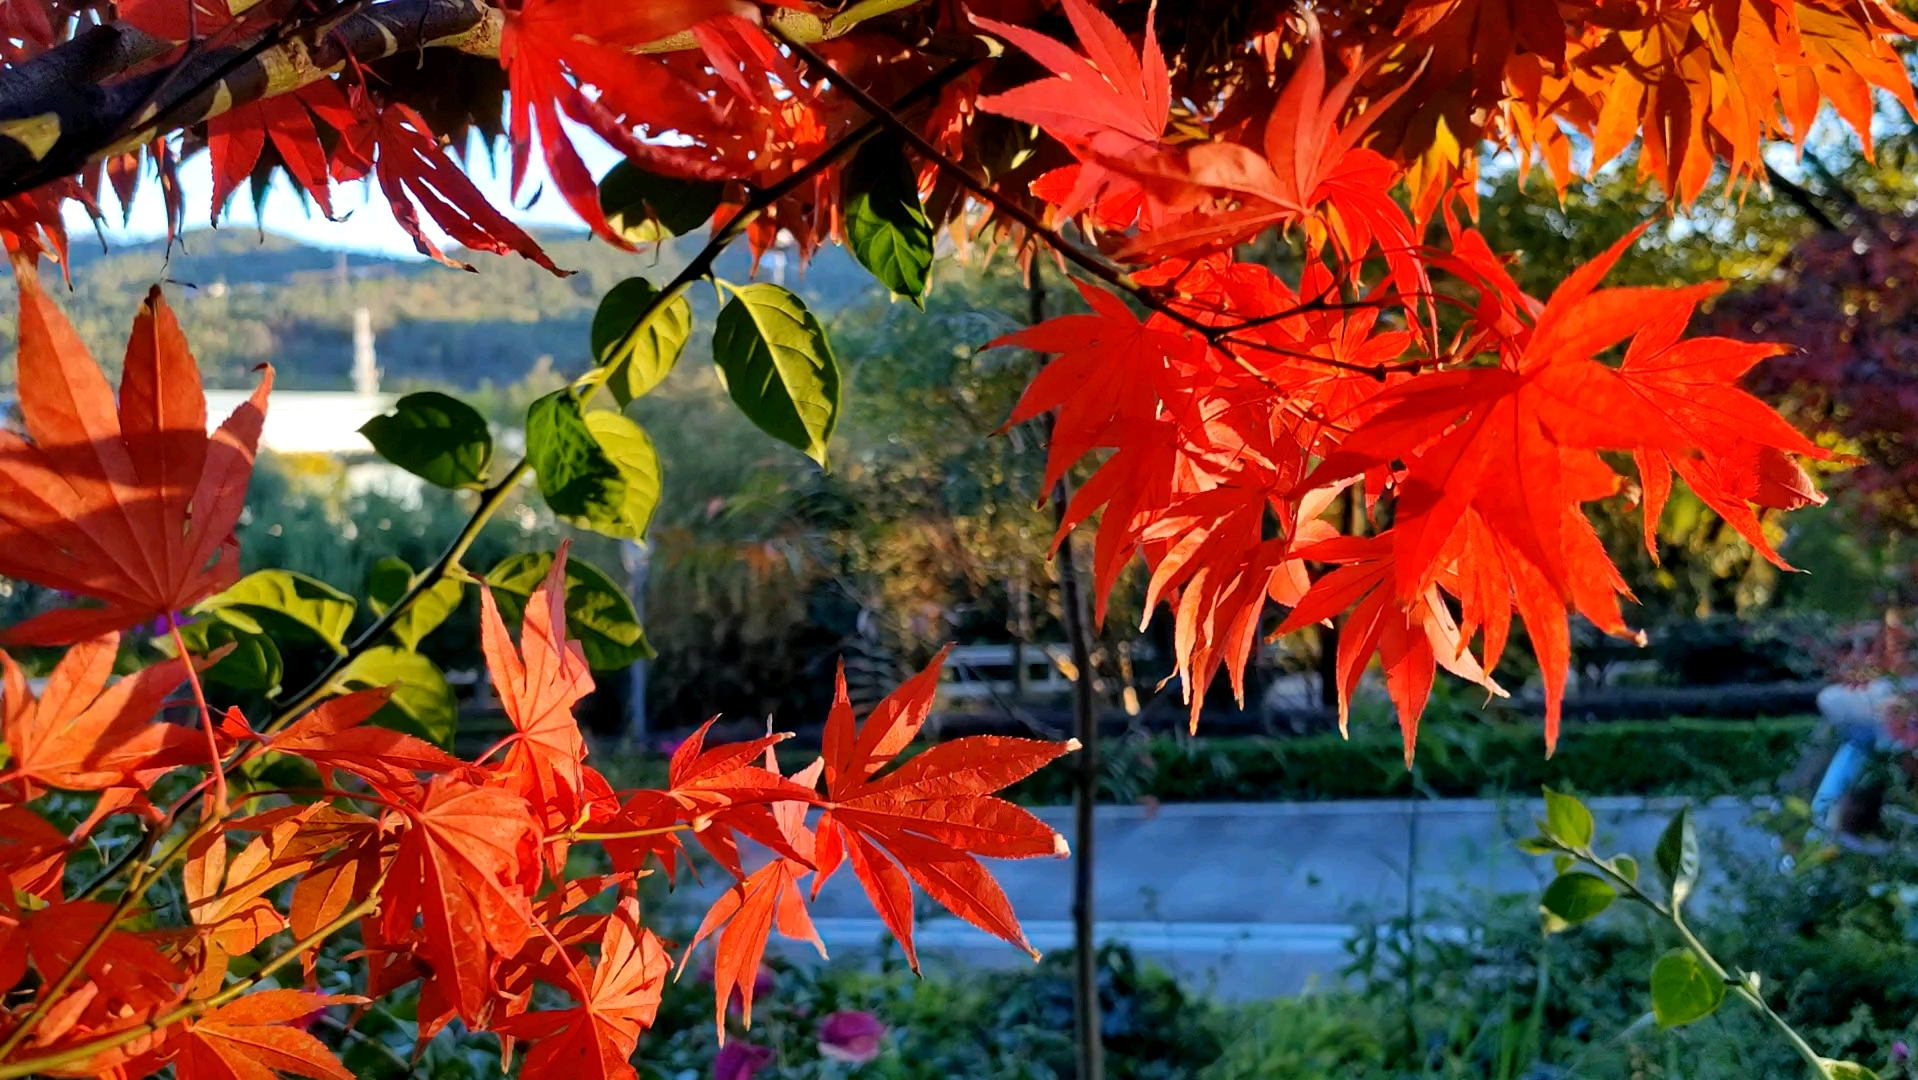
[390, 579]
[1677, 857]
[282, 599]
[637, 354]
[436, 437]
[1012, 1025]
[776, 362]
[597, 470]
[253, 662]
[1575, 897]
[599, 615]
[644, 207]
[1683, 991]
[886, 227]
[422, 702]
[1626, 757]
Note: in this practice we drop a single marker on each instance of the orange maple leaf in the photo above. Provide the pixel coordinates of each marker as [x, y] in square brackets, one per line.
[458, 871]
[133, 506]
[595, 1039]
[538, 685]
[81, 734]
[249, 1039]
[930, 815]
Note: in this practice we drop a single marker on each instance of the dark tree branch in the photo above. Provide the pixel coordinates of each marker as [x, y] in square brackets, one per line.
[1802, 198]
[58, 111]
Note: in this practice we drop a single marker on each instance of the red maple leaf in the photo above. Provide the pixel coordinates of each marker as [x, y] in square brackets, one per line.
[719, 791]
[236, 138]
[458, 871]
[1110, 105]
[595, 1039]
[250, 1038]
[133, 506]
[414, 172]
[127, 968]
[537, 687]
[81, 734]
[335, 735]
[767, 899]
[926, 819]
[544, 39]
[1409, 639]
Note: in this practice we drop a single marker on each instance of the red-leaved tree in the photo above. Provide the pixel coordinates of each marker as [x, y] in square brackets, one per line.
[1220, 408]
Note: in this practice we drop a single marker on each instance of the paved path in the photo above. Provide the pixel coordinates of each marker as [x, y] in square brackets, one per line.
[1257, 899]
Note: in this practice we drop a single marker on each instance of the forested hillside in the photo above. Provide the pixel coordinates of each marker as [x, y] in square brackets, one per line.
[245, 297]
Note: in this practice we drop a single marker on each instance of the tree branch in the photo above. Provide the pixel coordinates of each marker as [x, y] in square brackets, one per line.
[63, 91]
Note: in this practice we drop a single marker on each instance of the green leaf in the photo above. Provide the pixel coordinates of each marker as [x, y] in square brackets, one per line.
[776, 363]
[1846, 1070]
[886, 227]
[253, 664]
[389, 580]
[1677, 857]
[1537, 845]
[288, 597]
[1626, 867]
[597, 470]
[639, 354]
[643, 207]
[436, 437]
[1567, 820]
[1683, 990]
[422, 703]
[599, 615]
[386, 581]
[1576, 897]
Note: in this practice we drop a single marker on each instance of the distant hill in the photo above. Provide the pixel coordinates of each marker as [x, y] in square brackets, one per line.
[247, 298]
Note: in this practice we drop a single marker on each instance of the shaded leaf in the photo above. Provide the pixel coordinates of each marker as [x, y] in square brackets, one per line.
[640, 353]
[1677, 856]
[776, 363]
[597, 470]
[1576, 897]
[308, 603]
[436, 437]
[886, 227]
[599, 614]
[644, 206]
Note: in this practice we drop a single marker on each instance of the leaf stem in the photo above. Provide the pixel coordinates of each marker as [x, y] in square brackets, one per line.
[214, 764]
[1738, 985]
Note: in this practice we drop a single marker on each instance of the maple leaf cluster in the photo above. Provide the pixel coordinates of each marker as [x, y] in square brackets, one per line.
[447, 871]
[1241, 400]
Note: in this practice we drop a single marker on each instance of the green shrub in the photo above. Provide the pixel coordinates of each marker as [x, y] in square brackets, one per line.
[1671, 757]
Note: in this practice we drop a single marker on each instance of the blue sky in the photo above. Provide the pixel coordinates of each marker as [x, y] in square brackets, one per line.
[368, 224]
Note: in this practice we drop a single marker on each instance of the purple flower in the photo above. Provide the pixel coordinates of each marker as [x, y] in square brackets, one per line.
[1900, 1053]
[739, 1061]
[852, 1037]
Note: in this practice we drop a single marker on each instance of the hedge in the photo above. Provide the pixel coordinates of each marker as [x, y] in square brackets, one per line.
[1664, 757]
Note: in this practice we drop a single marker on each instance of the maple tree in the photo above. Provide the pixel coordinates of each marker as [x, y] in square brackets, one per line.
[1219, 410]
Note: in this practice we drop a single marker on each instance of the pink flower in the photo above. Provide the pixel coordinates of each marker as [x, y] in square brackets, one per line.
[852, 1037]
[739, 1061]
[1900, 1053]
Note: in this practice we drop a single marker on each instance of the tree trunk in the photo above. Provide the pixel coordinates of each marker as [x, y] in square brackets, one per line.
[1085, 713]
